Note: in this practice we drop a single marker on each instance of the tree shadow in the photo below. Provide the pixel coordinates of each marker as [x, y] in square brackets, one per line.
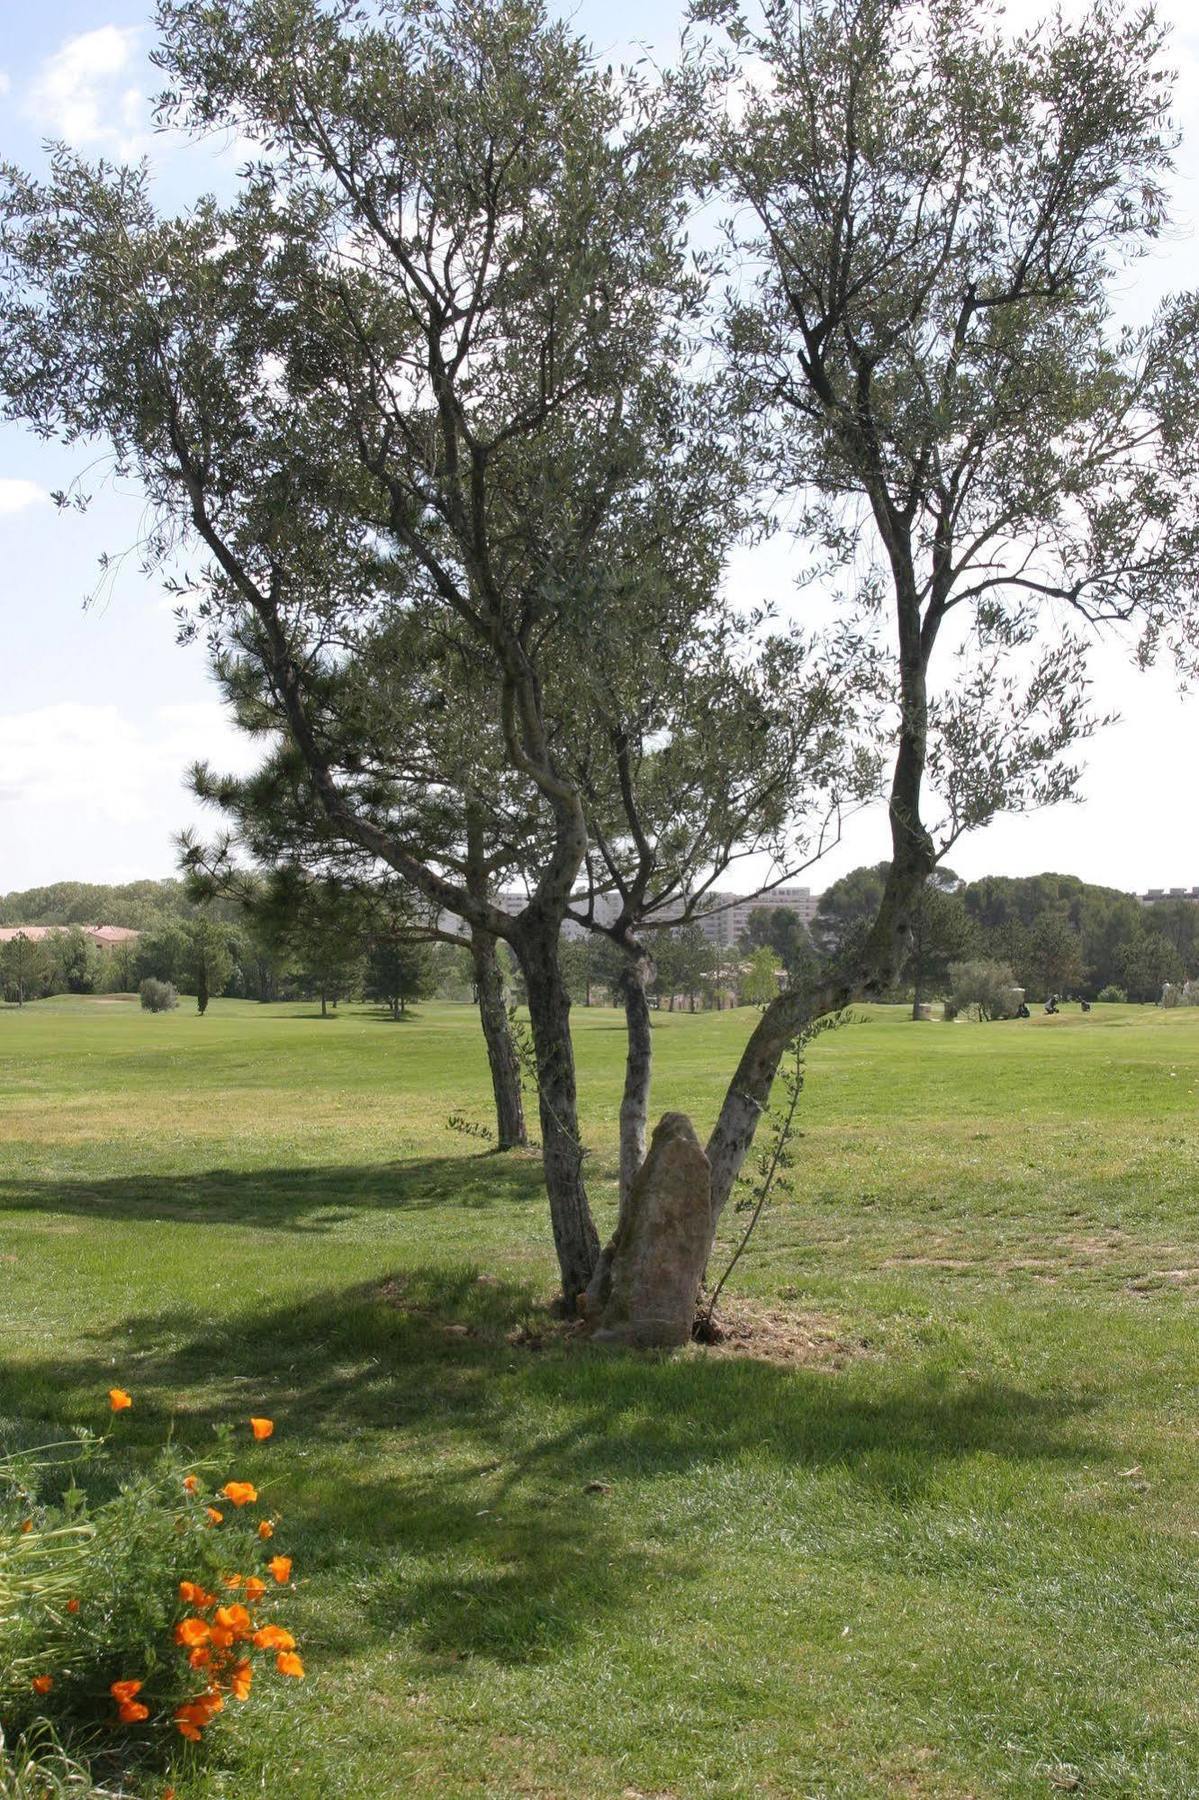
[494, 1501]
[310, 1199]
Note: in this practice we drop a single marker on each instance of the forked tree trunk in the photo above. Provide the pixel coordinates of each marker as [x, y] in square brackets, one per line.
[575, 1236]
[634, 1115]
[502, 1059]
[913, 858]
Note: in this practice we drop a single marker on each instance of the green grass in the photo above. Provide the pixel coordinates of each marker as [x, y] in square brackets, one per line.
[917, 1566]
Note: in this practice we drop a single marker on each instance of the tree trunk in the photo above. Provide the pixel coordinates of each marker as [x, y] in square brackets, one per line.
[497, 1034]
[634, 1113]
[913, 857]
[638, 1073]
[575, 1236]
[324, 1008]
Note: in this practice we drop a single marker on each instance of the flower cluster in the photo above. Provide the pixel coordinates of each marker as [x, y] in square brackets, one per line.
[216, 1629]
[217, 1639]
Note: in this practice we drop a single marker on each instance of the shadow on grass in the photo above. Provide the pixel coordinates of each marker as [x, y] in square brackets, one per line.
[438, 1474]
[304, 1199]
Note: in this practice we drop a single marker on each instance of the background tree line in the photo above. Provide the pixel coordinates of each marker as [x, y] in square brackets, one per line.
[222, 948]
[1056, 933]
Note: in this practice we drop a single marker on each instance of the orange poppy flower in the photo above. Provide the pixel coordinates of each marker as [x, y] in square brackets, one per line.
[288, 1663]
[234, 1581]
[199, 1658]
[72, 1606]
[193, 1715]
[26, 1526]
[132, 1712]
[190, 1632]
[280, 1568]
[265, 1529]
[273, 1637]
[262, 1428]
[168, 1794]
[118, 1399]
[255, 1588]
[125, 1690]
[240, 1680]
[41, 1684]
[191, 1483]
[234, 1618]
[223, 1636]
[192, 1594]
[214, 1517]
[239, 1493]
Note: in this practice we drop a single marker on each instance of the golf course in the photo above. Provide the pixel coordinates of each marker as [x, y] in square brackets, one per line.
[924, 1522]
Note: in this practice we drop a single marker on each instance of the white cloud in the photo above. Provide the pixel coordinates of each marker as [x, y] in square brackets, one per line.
[16, 494]
[84, 93]
[102, 768]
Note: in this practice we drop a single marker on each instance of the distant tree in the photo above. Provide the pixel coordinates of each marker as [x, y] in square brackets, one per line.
[398, 971]
[1055, 959]
[848, 907]
[683, 959]
[1147, 964]
[760, 983]
[316, 927]
[120, 965]
[162, 955]
[781, 929]
[988, 988]
[209, 960]
[578, 956]
[1106, 921]
[942, 933]
[1178, 922]
[75, 962]
[24, 969]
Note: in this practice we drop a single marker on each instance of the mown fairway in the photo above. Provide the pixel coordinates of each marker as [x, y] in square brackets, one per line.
[955, 1554]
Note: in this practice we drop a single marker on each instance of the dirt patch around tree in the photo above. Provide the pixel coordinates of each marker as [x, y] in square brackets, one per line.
[769, 1332]
[490, 1312]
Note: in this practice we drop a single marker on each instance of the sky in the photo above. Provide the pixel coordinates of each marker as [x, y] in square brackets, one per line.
[101, 712]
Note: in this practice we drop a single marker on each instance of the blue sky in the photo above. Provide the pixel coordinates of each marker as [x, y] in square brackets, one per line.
[100, 710]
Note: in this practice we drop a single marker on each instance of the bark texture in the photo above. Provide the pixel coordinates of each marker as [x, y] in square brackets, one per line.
[634, 1118]
[575, 1236]
[502, 1059]
[662, 1247]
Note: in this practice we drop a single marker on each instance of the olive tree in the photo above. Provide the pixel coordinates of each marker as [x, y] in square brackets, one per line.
[415, 390]
[932, 212]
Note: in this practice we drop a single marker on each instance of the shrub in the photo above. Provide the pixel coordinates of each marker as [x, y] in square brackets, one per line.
[987, 987]
[1112, 995]
[133, 1613]
[157, 996]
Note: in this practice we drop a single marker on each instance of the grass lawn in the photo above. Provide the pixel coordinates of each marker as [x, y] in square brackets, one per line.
[954, 1554]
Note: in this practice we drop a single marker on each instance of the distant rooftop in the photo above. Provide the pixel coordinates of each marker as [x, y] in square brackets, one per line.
[104, 935]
